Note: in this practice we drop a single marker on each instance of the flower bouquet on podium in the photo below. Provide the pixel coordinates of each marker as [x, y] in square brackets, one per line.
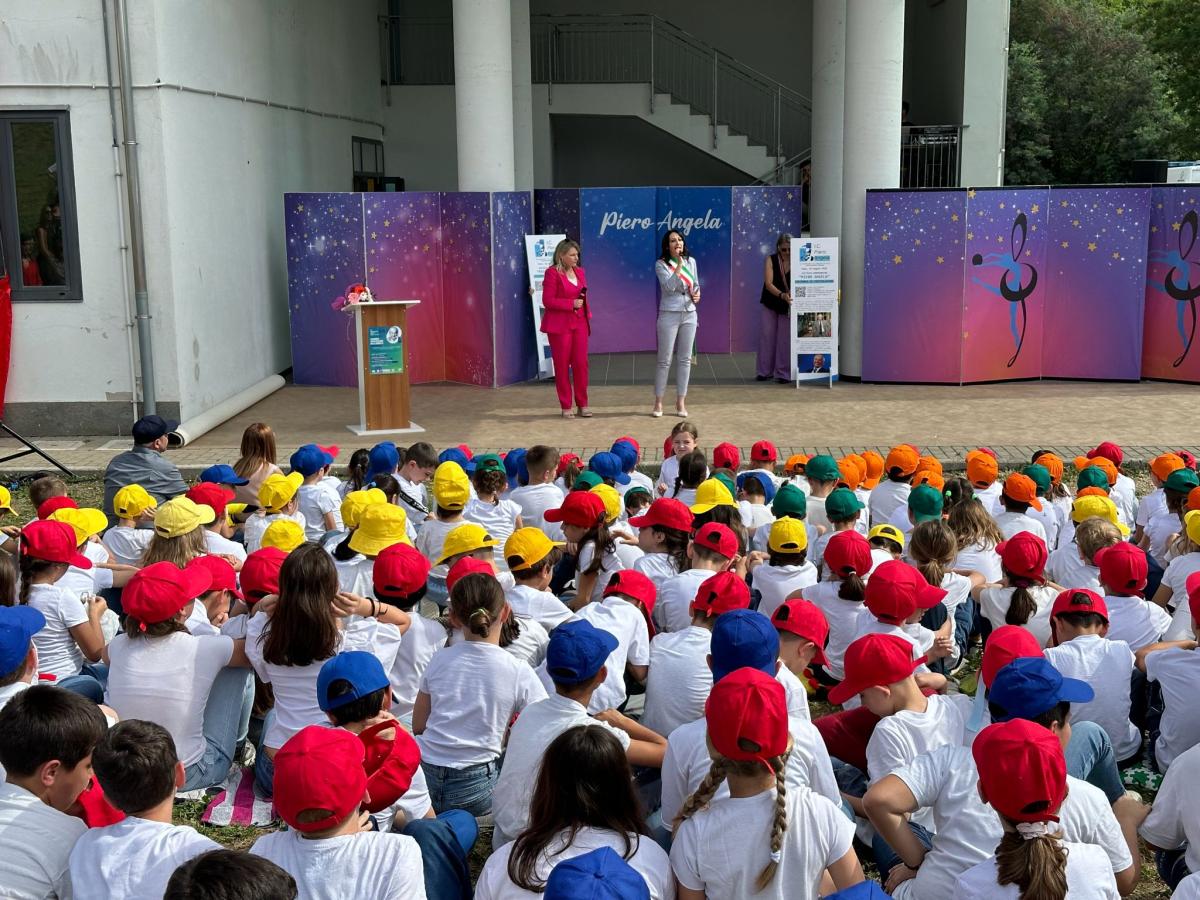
[353, 296]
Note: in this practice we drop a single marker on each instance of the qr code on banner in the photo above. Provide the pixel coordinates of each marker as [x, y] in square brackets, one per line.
[801, 292]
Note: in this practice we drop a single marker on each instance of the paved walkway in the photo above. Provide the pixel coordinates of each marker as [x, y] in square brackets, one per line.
[1013, 419]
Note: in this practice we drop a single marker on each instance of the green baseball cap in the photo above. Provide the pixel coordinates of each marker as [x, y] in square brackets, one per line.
[1181, 480]
[822, 468]
[586, 481]
[488, 462]
[726, 479]
[789, 501]
[842, 504]
[925, 503]
[1040, 476]
[1092, 476]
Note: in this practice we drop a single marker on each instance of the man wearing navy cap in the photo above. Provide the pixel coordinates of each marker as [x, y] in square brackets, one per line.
[144, 464]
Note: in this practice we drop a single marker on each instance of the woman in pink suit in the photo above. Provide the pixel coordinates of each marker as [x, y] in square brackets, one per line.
[566, 323]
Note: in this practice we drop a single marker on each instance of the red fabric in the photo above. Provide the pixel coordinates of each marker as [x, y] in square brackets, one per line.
[558, 299]
[568, 349]
[846, 734]
[95, 810]
[31, 275]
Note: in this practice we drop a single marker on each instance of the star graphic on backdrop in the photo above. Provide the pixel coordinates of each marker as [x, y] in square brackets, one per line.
[1153, 228]
[971, 193]
[1002, 205]
[1092, 246]
[1035, 208]
[970, 235]
[1033, 228]
[1174, 226]
[917, 242]
[941, 259]
[1000, 239]
[1120, 210]
[887, 202]
[1065, 245]
[373, 235]
[1062, 203]
[954, 217]
[896, 259]
[1116, 255]
[884, 236]
[916, 212]
[300, 207]
[1158, 205]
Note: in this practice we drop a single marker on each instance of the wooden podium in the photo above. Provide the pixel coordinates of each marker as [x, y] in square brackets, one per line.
[381, 334]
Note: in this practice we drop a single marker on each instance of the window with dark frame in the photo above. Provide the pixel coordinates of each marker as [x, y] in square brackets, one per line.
[38, 232]
[368, 164]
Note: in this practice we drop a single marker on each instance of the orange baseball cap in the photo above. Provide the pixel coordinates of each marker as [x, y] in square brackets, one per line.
[902, 459]
[795, 464]
[1022, 489]
[929, 464]
[852, 473]
[1054, 465]
[1193, 498]
[874, 468]
[981, 468]
[933, 479]
[1102, 463]
[1091, 492]
[1164, 465]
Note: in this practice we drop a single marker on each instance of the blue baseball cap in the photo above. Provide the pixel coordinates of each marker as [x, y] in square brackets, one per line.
[762, 478]
[627, 453]
[151, 428]
[310, 459]
[864, 890]
[515, 468]
[382, 460]
[222, 474]
[743, 638]
[18, 624]
[363, 670]
[453, 454]
[577, 651]
[1028, 687]
[599, 875]
[608, 466]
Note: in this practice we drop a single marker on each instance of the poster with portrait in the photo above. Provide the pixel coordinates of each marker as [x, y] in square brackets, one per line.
[539, 254]
[814, 309]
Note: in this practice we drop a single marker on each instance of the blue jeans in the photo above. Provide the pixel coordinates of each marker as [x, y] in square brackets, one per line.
[228, 707]
[1090, 756]
[445, 843]
[90, 682]
[887, 859]
[1172, 867]
[469, 789]
[264, 766]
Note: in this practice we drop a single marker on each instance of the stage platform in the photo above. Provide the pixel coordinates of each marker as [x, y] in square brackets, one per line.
[727, 405]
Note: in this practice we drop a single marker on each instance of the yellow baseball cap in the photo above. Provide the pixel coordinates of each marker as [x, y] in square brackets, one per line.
[179, 516]
[132, 500]
[527, 547]
[379, 526]
[86, 522]
[356, 502]
[891, 532]
[712, 493]
[466, 538]
[451, 487]
[1191, 522]
[5, 498]
[1094, 506]
[278, 490]
[788, 536]
[284, 534]
[612, 501]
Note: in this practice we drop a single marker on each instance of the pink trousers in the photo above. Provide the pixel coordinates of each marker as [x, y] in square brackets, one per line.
[570, 351]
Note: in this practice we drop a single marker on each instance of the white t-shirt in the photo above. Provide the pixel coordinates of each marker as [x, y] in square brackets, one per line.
[534, 500]
[816, 513]
[256, 525]
[35, 845]
[1087, 878]
[167, 680]
[886, 498]
[132, 859]
[774, 583]
[995, 601]
[417, 647]
[1161, 530]
[296, 686]
[980, 557]
[755, 515]
[673, 609]
[369, 865]
[626, 623]
[648, 859]
[475, 687]
[1011, 523]
[679, 680]
[356, 575]
[957, 588]
[1149, 506]
[1188, 889]
[88, 581]
[667, 474]
[1066, 567]
[990, 497]
[530, 603]
[1135, 621]
[534, 731]
[316, 501]
[1181, 625]
[1124, 495]
[902, 520]
[842, 616]
[499, 519]
[658, 567]
[1178, 673]
[722, 849]
[127, 544]
[222, 546]
[57, 652]
[687, 762]
[1176, 575]
[1174, 820]
[609, 563]
[1107, 666]
[1048, 518]
[432, 538]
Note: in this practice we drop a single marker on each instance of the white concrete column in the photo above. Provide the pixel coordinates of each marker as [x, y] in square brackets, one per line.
[871, 153]
[522, 88]
[829, 93]
[985, 80]
[483, 95]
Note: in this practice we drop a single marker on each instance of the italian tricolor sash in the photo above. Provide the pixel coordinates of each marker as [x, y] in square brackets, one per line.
[686, 275]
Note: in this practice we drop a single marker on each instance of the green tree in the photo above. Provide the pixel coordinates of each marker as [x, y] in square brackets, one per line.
[1025, 139]
[1172, 28]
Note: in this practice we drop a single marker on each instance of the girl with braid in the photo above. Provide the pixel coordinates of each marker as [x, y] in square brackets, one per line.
[764, 840]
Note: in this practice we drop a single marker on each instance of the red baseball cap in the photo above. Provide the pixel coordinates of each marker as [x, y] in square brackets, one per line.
[1024, 554]
[563, 461]
[721, 593]
[260, 573]
[764, 451]
[55, 503]
[1006, 643]
[1109, 451]
[1189, 460]
[208, 494]
[1022, 772]
[391, 759]
[1193, 591]
[896, 590]
[160, 590]
[718, 538]
[630, 440]
[580, 508]
[1079, 600]
[727, 456]
[748, 706]
[1123, 567]
[668, 445]
[874, 660]
[632, 583]
[53, 541]
[319, 768]
[222, 575]
[848, 552]
[468, 565]
[804, 619]
[665, 512]
[400, 570]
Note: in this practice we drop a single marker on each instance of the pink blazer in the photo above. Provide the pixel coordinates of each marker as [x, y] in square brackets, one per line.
[558, 300]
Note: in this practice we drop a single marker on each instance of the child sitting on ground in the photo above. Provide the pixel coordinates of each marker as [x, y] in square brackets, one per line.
[500, 516]
[541, 493]
[1131, 618]
[713, 549]
[786, 569]
[126, 541]
[843, 509]
[320, 502]
[1023, 596]
[840, 599]
[1075, 564]
[892, 491]
[531, 557]
[277, 497]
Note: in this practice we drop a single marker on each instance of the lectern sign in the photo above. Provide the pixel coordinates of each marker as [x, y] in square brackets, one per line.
[385, 350]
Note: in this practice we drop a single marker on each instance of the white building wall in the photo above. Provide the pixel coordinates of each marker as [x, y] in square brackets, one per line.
[985, 78]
